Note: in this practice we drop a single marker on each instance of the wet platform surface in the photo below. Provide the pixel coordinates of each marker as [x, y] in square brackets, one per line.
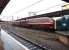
[1, 45]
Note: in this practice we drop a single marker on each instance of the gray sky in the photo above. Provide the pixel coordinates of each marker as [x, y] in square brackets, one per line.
[21, 8]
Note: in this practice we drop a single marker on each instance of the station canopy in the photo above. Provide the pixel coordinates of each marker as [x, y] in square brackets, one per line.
[3, 3]
[66, 0]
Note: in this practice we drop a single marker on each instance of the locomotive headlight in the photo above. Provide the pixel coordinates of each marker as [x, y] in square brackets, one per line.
[64, 24]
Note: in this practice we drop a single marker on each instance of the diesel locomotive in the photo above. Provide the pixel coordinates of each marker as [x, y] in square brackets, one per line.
[45, 23]
[62, 24]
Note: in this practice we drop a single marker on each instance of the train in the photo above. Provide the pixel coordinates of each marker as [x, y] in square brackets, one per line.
[62, 24]
[45, 23]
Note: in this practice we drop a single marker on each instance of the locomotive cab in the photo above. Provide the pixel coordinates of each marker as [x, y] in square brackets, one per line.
[61, 23]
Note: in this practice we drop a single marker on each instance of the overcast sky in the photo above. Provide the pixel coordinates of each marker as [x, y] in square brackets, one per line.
[22, 8]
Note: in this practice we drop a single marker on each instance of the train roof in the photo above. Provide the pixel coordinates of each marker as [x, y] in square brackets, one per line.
[57, 18]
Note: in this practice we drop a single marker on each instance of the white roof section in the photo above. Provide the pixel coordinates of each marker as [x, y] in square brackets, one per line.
[21, 8]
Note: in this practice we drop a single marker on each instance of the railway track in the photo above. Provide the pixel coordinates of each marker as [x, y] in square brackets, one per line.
[25, 42]
[30, 45]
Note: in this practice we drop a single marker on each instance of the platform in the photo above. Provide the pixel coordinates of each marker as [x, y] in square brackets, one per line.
[10, 43]
[1, 45]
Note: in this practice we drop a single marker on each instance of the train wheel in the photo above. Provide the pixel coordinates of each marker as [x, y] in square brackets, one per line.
[52, 30]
